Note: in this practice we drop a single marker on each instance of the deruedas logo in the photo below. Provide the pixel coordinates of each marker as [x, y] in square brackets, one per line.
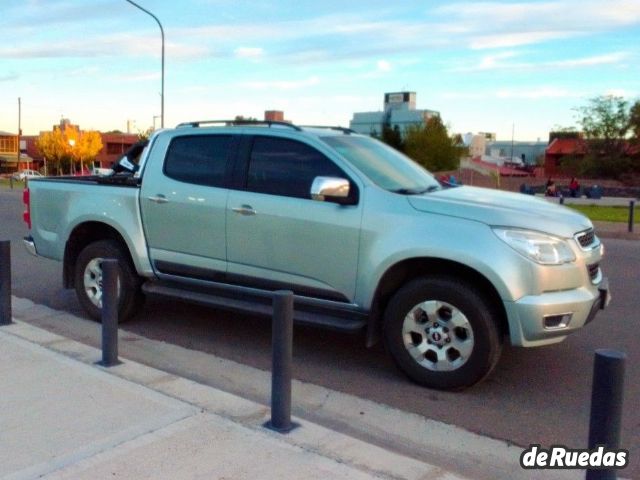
[559, 456]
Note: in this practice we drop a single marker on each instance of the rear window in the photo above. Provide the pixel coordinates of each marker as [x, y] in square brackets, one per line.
[199, 159]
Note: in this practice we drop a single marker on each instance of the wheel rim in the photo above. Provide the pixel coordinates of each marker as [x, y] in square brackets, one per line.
[438, 336]
[92, 281]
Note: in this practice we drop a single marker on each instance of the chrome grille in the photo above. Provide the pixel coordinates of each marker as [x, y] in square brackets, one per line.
[586, 239]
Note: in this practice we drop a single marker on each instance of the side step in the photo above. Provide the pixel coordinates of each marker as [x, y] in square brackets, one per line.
[307, 311]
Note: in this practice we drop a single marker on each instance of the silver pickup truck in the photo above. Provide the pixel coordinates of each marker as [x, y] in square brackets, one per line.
[224, 213]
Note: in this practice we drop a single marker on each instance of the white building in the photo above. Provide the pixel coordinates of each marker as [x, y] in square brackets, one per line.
[399, 112]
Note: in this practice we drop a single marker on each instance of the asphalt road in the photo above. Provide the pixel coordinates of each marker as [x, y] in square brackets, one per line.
[534, 396]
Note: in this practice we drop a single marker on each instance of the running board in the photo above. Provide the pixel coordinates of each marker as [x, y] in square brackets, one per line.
[306, 311]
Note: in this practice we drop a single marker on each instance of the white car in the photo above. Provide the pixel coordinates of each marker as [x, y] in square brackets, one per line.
[24, 174]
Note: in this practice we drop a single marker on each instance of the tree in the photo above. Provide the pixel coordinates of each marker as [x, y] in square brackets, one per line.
[634, 122]
[53, 148]
[392, 137]
[432, 147]
[67, 147]
[607, 122]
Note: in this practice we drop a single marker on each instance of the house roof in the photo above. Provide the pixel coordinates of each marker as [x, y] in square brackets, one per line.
[566, 146]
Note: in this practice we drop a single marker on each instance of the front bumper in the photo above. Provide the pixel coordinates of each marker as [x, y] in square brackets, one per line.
[529, 317]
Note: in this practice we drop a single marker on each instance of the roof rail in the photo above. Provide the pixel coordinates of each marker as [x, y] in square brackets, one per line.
[269, 123]
[332, 127]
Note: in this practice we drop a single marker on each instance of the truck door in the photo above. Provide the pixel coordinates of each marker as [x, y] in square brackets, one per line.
[183, 204]
[277, 237]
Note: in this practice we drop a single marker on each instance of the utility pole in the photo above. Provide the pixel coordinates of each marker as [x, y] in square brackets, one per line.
[513, 128]
[19, 128]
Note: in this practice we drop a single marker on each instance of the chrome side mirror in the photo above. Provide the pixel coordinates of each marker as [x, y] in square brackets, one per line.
[330, 189]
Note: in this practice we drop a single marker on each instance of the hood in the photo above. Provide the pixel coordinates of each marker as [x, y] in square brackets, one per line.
[507, 209]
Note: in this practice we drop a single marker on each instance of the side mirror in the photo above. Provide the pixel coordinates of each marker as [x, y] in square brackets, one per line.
[331, 189]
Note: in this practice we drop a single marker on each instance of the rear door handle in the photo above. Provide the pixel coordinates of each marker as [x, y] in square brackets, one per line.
[244, 210]
[159, 198]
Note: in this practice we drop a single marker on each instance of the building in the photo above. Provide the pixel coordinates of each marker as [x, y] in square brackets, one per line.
[528, 153]
[558, 149]
[9, 153]
[399, 113]
[114, 145]
[478, 143]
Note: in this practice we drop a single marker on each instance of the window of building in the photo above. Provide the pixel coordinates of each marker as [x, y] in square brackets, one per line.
[118, 148]
[199, 159]
[279, 166]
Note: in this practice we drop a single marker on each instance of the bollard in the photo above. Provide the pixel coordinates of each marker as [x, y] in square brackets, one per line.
[632, 205]
[109, 313]
[5, 282]
[561, 199]
[281, 346]
[606, 406]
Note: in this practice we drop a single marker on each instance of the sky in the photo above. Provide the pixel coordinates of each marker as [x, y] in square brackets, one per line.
[515, 68]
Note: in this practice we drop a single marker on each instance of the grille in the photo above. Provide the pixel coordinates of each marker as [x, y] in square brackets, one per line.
[586, 239]
[593, 270]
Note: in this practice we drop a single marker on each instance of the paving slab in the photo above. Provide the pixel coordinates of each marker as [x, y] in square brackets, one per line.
[55, 411]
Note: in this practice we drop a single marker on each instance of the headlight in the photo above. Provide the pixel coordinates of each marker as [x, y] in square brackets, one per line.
[541, 248]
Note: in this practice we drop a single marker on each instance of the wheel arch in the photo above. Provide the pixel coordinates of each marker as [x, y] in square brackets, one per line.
[409, 269]
[83, 235]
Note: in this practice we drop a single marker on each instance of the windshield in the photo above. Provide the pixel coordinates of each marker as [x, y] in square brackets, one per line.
[385, 166]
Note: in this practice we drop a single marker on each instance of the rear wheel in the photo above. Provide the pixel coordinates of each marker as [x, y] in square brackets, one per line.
[442, 333]
[88, 280]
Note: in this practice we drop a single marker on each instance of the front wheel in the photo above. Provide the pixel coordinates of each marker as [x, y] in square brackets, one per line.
[88, 280]
[442, 333]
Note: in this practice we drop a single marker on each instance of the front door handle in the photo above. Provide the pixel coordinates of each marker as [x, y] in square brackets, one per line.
[159, 198]
[244, 210]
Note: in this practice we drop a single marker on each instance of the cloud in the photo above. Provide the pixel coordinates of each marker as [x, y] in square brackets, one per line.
[8, 77]
[249, 52]
[283, 84]
[499, 25]
[523, 93]
[383, 66]
[497, 61]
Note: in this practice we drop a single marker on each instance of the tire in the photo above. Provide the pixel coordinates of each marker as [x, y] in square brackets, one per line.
[442, 333]
[88, 280]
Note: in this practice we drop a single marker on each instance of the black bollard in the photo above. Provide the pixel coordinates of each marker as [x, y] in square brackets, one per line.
[606, 406]
[282, 348]
[632, 205]
[109, 313]
[5, 282]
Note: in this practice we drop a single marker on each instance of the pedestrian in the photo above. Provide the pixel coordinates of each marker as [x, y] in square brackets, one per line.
[574, 188]
[551, 188]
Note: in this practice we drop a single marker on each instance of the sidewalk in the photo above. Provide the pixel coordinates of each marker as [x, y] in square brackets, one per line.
[62, 417]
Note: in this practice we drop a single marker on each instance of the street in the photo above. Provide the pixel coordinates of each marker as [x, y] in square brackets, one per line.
[534, 395]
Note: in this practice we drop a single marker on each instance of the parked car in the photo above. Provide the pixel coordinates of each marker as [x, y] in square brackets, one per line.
[225, 213]
[23, 174]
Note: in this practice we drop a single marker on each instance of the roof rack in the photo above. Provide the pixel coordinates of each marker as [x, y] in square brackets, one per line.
[331, 127]
[269, 123]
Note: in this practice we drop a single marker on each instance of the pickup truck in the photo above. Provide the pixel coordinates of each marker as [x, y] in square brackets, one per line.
[224, 213]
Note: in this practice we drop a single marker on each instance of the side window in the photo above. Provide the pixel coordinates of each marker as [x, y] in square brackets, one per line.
[279, 166]
[199, 159]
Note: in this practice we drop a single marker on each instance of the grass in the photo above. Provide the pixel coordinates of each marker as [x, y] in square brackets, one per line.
[4, 183]
[607, 213]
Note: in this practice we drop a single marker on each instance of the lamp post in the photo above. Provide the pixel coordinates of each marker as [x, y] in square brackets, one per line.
[72, 167]
[162, 74]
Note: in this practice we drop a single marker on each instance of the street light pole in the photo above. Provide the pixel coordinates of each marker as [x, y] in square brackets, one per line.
[162, 75]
